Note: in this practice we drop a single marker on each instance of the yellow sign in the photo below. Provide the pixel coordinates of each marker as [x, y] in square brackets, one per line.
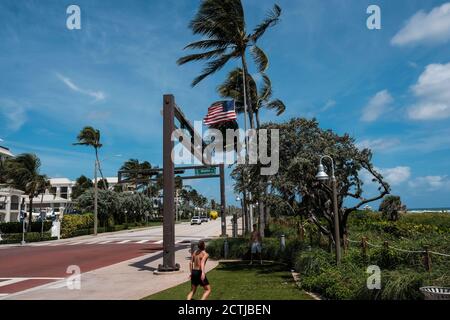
[214, 215]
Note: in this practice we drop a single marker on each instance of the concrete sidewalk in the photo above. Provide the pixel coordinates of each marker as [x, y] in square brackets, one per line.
[128, 280]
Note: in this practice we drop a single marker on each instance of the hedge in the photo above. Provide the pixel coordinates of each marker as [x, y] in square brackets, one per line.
[29, 237]
[16, 227]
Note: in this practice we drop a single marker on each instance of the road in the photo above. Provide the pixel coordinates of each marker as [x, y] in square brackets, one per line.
[36, 264]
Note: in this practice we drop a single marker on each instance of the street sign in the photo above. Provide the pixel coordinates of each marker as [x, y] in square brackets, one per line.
[205, 171]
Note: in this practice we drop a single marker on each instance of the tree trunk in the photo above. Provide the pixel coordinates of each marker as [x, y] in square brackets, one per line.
[30, 217]
[258, 122]
[100, 169]
[248, 91]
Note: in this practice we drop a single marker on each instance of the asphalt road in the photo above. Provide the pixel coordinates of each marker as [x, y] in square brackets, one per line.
[35, 264]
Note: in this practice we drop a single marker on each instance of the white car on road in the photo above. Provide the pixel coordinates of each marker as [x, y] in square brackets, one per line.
[196, 220]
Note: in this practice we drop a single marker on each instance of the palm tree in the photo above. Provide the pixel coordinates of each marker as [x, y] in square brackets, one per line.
[43, 184]
[82, 184]
[22, 173]
[261, 98]
[89, 136]
[135, 175]
[222, 22]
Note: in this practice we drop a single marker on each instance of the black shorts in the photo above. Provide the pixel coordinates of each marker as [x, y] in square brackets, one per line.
[196, 279]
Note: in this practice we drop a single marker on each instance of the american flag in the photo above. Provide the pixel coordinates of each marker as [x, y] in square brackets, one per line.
[220, 111]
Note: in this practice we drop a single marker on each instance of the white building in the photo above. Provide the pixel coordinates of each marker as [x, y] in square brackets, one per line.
[54, 201]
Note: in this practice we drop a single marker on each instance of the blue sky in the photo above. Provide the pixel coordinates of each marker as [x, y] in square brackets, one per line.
[388, 88]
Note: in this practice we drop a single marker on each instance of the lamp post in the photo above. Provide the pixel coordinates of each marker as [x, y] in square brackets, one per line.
[323, 176]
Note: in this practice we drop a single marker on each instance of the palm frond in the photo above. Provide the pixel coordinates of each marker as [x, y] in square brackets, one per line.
[208, 44]
[213, 67]
[260, 58]
[277, 105]
[201, 56]
[271, 19]
[220, 19]
[266, 89]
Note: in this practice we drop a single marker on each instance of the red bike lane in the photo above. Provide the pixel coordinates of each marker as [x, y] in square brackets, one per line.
[22, 268]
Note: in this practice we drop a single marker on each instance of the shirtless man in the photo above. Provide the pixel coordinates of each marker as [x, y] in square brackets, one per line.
[255, 240]
[198, 272]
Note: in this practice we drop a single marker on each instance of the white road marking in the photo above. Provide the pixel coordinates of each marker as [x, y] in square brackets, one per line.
[9, 281]
[159, 242]
[105, 242]
[124, 241]
[3, 294]
[75, 243]
[94, 242]
[143, 241]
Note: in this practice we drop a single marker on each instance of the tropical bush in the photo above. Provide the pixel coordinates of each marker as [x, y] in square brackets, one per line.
[76, 225]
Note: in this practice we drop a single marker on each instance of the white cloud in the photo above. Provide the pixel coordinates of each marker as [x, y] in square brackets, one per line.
[15, 114]
[431, 182]
[378, 144]
[432, 27]
[97, 95]
[433, 91]
[394, 176]
[397, 175]
[377, 106]
[329, 104]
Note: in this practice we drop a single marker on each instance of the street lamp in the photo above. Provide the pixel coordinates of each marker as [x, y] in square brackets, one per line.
[323, 176]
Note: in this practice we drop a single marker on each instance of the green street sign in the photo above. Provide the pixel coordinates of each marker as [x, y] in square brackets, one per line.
[205, 171]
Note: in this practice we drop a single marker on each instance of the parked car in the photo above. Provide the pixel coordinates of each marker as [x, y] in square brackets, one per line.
[196, 220]
[204, 218]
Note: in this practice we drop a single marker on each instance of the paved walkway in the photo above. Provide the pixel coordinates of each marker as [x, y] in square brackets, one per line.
[128, 280]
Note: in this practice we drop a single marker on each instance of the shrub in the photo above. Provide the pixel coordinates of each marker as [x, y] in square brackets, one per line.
[16, 227]
[71, 223]
[29, 237]
[401, 285]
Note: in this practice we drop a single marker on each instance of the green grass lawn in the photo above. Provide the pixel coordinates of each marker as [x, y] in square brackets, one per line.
[240, 281]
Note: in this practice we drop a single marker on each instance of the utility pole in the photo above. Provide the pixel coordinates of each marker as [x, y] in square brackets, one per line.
[95, 198]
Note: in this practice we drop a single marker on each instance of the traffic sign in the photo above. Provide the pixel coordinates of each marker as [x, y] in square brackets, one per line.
[205, 171]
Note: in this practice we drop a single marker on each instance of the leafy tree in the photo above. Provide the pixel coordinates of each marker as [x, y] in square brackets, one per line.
[222, 24]
[82, 184]
[302, 142]
[22, 172]
[390, 207]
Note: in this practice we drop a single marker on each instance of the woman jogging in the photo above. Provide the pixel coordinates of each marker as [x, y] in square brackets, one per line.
[198, 272]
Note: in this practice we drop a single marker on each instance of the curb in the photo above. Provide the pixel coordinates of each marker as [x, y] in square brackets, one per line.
[296, 277]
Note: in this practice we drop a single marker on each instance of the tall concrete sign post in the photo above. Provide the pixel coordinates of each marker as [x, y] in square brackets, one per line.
[169, 187]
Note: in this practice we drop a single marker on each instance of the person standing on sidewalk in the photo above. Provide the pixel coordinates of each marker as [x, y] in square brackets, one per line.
[256, 244]
[198, 271]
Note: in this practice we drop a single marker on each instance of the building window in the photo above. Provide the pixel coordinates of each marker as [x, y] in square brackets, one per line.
[14, 203]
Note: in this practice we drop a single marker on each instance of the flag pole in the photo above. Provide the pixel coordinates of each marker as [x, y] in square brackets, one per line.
[245, 135]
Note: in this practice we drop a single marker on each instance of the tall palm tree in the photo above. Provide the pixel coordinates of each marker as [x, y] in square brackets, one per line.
[222, 23]
[22, 172]
[139, 179]
[261, 97]
[89, 136]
